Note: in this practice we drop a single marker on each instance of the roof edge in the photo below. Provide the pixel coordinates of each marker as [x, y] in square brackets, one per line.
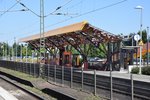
[65, 29]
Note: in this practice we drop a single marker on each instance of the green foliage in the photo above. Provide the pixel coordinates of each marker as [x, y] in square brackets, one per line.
[4, 49]
[100, 51]
[91, 50]
[135, 70]
[131, 40]
[8, 50]
[144, 36]
[144, 70]
[87, 49]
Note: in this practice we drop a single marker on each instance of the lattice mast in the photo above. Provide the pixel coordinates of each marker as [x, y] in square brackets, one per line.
[42, 39]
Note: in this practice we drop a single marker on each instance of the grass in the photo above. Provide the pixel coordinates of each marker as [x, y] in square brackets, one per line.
[92, 97]
[35, 90]
[38, 92]
[19, 74]
[29, 78]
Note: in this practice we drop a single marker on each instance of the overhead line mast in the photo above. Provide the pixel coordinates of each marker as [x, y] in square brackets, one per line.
[42, 39]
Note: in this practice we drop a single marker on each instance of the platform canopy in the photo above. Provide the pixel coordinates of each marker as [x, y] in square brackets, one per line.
[74, 35]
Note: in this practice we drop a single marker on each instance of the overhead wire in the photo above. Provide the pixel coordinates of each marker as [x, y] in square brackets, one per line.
[72, 6]
[98, 9]
[16, 10]
[58, 8]
[27, 8]
[101, 8]
[9, 8]
[66, 3]
[52, 13]
[17, 1]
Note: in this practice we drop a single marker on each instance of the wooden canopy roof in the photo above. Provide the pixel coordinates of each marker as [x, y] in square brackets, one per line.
[75, 34]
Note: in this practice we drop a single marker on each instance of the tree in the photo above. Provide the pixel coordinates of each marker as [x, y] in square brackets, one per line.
[29, 50]
[1, 49]
[144, 36]
[130, 40]
[93, 51]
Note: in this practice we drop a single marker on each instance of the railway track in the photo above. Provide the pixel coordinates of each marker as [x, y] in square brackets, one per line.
[17, 91]
[85, 81]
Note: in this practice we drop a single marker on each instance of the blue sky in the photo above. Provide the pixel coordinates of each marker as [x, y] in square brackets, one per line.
[121, 18]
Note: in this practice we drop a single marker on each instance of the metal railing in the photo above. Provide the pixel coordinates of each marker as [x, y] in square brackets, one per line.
[106, 86]
[28, 68]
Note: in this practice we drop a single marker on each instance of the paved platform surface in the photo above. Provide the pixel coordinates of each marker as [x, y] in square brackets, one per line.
[11, 89]
[122, 74]
[76, 94]
[5, 95]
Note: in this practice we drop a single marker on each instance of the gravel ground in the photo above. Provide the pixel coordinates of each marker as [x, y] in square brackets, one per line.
[19, 94]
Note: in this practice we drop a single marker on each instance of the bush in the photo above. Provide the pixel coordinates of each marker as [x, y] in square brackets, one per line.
[144, 70]
[135, 70]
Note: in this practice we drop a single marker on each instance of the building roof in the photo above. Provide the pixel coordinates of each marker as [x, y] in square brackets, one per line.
[58, 31]
[75, 34]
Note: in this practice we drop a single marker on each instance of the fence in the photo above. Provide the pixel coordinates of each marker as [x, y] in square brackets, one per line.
[91, 81]
[28, 68]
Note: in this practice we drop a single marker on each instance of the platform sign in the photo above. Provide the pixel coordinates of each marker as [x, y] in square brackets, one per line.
[137, 37]
[141, 43]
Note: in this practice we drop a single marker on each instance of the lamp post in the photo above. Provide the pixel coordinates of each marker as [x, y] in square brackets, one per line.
[32, 55]
[12, 51]
[21, 52]
[26, 45]
[141, 15]
[6, 51]
[147, 45]
[15, 48]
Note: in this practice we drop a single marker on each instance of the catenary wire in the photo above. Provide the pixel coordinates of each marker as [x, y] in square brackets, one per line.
[27, 8]
[9, 8]
[98, 9]
[16, 10]
[58, 8]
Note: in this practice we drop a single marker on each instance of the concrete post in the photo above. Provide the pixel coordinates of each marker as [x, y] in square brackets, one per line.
[62, 75]
[82, 79]
[71, 70]
[55, 74]
[94, 82]
[132, 89]
[48, 73]
[111, 86]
